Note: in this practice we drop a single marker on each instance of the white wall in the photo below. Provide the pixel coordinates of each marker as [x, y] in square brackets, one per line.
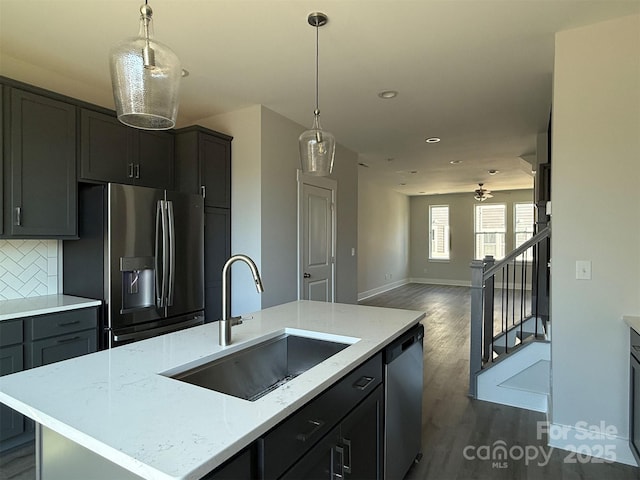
[383, 239]
[456, 271]
[596, 217]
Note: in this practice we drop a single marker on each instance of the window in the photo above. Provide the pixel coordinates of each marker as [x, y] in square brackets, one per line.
[490, 230]
[523, 214]
[439, 227]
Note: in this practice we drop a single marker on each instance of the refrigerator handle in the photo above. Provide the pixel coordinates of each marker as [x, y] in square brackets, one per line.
[157, 255]
[172, 253]
[165, 252]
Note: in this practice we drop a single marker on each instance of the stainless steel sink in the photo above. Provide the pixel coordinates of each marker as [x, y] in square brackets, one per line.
[255, 371]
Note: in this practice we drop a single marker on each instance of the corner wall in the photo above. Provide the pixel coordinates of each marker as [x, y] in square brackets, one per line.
[596, 217]
[383, 239]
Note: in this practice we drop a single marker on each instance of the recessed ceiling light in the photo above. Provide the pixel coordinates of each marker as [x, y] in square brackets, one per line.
[185, 73]
[455, 162]
[433, 140]
[403, 184]
[362, 164]
[493, 172]
[388, 94]
[422, 192]
[413, 171]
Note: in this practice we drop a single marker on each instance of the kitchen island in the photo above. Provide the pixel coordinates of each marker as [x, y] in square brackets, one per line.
[120, 405]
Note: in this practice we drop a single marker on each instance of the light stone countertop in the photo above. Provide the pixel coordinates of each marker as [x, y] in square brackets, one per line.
[116, 403]
[27, 307]
[633, 321]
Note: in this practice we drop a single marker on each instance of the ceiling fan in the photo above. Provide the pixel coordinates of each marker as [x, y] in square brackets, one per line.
[481, 194]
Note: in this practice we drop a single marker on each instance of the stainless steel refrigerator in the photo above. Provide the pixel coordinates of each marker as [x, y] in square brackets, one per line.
[141, 251]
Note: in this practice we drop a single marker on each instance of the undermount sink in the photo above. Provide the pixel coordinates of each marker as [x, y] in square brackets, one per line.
[255, 371]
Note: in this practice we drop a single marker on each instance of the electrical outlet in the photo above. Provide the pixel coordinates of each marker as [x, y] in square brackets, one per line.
[583, 269]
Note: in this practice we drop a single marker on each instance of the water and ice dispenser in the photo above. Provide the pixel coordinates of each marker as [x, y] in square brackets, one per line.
[138, 283]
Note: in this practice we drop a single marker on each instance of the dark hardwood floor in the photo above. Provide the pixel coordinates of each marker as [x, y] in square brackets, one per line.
[453, 424]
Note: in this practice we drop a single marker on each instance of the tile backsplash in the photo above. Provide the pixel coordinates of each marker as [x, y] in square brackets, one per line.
[28, 268]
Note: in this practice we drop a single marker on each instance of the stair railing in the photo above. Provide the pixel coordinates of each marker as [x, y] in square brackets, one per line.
[504, 295]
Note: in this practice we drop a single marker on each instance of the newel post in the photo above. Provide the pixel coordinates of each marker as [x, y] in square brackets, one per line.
[475, 341]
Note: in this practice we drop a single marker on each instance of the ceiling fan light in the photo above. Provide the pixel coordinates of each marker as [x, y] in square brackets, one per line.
[145, 77]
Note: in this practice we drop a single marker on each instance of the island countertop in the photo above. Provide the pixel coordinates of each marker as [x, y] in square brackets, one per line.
[118, 404]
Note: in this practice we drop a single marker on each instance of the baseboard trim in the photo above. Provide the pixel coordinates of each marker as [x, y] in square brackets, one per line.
[441, 281]
[382, 289]
[581, 442]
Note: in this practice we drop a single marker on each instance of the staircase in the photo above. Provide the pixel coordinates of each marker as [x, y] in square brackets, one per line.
[510, 328]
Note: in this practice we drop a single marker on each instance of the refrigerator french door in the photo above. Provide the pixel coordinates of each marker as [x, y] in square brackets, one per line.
[151, 244]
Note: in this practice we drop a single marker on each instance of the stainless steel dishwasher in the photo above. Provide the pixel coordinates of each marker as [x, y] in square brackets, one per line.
[403, 371]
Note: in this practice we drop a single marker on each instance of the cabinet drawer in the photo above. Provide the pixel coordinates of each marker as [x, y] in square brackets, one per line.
[287, 442]
[44, 326]
[10, 332]
[63, 347]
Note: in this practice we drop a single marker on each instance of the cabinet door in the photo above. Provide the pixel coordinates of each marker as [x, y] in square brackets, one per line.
[43, 188]
[215, 170]
[154, 166]
[217, 249]
[361, 439]
[106, 148]
[240, 467]
[63, 347]
[2, 135]
[322, 462]
[11, 422]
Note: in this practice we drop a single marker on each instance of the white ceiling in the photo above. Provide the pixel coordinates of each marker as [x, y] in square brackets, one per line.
[477, 73]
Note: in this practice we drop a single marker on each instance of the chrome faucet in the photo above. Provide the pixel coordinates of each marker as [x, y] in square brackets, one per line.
[227, 320]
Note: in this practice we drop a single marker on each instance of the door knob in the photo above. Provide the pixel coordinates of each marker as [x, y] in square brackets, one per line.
[307, 275]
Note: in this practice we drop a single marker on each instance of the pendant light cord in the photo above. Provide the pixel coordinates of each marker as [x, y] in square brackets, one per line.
[317, 112]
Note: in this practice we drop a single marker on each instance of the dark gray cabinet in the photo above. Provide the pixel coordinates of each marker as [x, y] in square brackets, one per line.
[217, 239]
[113, 152]
[36, 341]
[40, 166]
[239, 467]
[203, 165]
[350, 450]
[11, 361]
[340, 430]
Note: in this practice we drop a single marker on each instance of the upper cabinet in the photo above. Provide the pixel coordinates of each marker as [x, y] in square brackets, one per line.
[203, 165]
[39, 135]
[113, 152]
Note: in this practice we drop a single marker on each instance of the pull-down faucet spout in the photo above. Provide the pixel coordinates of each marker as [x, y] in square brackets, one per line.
[227, 321]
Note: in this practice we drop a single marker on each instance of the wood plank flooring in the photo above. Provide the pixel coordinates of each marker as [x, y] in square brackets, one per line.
[452, 422]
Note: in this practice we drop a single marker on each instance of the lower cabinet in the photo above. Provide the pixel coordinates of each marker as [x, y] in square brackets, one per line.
[338, 432]
[36, 341]
[350, 450]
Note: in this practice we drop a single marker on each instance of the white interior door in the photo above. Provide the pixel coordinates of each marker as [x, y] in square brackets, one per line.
[317, 243]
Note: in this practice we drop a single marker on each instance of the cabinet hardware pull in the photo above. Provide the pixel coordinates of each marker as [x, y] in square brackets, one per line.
[73, 322]
[306, 275]
[18, 216]
[337, 460]
[66, 340]
[137, 170]
[130, 170]
[347, 446]
[315, 426]
[203, 191]
[363, 382]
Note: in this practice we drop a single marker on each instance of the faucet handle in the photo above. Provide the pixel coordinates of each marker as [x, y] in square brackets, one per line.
[235, 321]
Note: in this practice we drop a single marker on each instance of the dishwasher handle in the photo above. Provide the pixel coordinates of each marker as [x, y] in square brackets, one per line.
[404, 343]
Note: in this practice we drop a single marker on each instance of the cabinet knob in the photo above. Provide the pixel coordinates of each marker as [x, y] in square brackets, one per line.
[306, 275]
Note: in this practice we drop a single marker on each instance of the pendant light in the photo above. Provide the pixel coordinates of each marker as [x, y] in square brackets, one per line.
[145, 76]
[317, 147]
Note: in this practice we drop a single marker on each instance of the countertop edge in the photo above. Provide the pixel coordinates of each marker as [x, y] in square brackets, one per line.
[31, 306]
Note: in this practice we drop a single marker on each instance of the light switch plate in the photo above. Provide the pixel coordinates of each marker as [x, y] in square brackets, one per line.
[583, 269]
